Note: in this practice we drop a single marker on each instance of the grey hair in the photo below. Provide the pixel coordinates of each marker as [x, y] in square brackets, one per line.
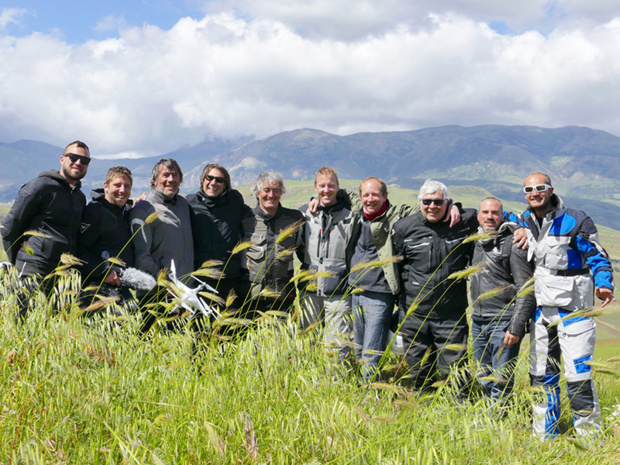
[430, 186]
[268, 177]
[169, 163]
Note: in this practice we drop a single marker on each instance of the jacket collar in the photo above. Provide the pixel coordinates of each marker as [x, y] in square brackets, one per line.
[55, 174]
[98, 195]
[258, 211]
[212, 201]
[160, 197]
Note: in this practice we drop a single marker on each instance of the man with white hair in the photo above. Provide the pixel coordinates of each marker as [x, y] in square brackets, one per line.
[275, 235]
[431, 304]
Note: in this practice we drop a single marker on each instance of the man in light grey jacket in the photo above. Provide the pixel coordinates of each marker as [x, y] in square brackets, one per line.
[326, 236]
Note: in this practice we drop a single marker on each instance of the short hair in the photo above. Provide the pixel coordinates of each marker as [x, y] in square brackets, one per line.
[79, 143]
[382, 184]
[169, 163]
[118, 171]
[208, 168]
[547, 178]
[326, 171]
[430, 186]
[501, 206]
[268, 177]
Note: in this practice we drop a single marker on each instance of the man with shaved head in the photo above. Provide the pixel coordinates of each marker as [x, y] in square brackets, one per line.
[500, 313]
[571, 269]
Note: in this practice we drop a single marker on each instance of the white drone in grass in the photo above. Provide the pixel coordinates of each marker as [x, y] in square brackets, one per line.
[189, 298]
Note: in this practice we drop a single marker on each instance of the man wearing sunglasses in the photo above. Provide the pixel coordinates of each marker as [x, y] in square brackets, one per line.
[219, 210]
[571, 268]
[432, 304]
[52, 205]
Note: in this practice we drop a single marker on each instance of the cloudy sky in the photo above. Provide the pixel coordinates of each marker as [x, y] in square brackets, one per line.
[149, 76]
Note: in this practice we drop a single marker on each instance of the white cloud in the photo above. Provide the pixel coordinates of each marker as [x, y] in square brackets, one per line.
[355, 19]
[150, 90]
[11, 16]
[111, 23]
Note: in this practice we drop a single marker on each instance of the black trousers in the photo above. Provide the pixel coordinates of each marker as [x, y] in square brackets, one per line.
[434, 346]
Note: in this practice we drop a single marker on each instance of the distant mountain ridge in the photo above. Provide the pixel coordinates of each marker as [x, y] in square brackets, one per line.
[584, 163]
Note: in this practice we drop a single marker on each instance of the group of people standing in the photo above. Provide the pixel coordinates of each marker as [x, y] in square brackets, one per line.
[367, 266]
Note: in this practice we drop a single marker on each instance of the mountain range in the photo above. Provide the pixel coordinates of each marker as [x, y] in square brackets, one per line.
[583, 163]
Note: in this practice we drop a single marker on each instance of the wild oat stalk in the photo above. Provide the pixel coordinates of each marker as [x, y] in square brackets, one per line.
[36, 234]
[289, 231]
[479, 236]
[462, 274]
[304, 275]
[210, 264]
[213, 297]
[267, 292]
[211, 273]
[583, 313]
[103, 301]
[285, 253]
[493, 292]
[369, 265]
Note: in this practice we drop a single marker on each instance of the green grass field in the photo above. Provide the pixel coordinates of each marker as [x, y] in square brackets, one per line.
[92, 392]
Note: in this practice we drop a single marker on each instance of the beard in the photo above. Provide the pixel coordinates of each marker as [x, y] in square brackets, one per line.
[67, 174]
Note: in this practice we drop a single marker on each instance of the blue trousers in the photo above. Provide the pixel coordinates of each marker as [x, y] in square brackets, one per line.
[372, 313]
[494, 362]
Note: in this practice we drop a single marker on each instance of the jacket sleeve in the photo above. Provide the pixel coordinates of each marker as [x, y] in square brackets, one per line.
[522, 271]
[143, 238]
[352, 197]
[405, 210]
[20, 217]
[88, 237]
[595, 256]
[399, 247]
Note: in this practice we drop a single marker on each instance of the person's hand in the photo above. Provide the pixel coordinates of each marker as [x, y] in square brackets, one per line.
[313, 205]
[453, 216]
[606, 295]
[113, 279]
[519, 237]
[139, 198]
[510, 339]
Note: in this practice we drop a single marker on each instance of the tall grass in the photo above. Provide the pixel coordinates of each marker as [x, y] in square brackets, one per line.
[97, 394]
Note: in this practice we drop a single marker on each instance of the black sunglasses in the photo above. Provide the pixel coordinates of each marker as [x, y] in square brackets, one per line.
[74, 158]
[217, 179]
[438, 202]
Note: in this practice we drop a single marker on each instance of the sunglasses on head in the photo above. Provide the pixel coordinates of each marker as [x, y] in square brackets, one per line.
[438, 202]
[217, 179]
[538, 188]
[75, 157]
